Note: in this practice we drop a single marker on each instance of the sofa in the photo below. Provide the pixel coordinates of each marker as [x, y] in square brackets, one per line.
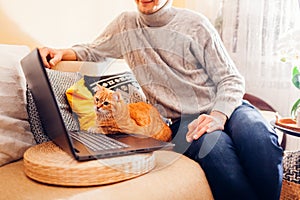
[173, 177]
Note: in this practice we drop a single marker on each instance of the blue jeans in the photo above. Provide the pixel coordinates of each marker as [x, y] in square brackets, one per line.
[244, 161]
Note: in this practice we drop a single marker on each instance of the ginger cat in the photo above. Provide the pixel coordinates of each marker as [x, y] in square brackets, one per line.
[114, 115]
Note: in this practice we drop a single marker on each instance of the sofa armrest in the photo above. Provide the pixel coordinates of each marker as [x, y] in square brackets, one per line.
[68, 66]
[258, 102]
[111, 66]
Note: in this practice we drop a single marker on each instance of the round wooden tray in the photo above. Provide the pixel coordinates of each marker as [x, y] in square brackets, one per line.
[47, 163]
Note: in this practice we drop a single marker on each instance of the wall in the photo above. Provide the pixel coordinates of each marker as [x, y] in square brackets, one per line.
[56, 23]
[209, 8]
[11, 33]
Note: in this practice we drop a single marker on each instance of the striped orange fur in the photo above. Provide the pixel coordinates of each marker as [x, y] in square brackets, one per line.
[114, 115]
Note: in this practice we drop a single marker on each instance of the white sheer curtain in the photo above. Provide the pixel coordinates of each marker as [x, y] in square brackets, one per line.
[251, 30]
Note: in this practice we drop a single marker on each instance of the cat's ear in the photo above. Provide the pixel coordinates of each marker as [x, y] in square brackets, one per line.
[99, 88]
[117, 96]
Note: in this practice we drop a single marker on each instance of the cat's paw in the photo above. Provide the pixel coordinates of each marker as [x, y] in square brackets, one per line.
[95, 129]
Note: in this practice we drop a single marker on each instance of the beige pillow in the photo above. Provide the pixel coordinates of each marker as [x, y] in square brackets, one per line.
[15, 135]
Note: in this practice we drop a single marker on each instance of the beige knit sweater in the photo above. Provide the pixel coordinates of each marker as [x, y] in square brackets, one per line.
[178, 58]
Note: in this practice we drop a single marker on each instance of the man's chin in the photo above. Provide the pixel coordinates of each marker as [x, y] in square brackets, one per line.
[145, 11]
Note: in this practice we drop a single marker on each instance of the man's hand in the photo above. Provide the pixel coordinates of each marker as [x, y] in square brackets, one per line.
[205, 124]
[51, 57]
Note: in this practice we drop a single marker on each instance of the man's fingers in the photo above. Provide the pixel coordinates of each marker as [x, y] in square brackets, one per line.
[202, 118]
[197, 128]
[192, 127]
[50, 57]
[205, 124]
[200, 132]
[54, 61]
[46, 56]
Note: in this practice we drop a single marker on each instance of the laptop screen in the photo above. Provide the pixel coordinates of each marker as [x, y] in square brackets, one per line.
[41, 89]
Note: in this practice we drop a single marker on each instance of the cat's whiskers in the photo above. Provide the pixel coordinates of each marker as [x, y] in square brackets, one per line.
[102, 111]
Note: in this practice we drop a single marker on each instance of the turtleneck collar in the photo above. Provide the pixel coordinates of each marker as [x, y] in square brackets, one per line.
[160, 18]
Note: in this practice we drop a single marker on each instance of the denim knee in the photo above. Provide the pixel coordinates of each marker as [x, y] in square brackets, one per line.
[216, 154]
[210, 144]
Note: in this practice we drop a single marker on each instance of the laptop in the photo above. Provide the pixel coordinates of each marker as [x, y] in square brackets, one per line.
[81, 145]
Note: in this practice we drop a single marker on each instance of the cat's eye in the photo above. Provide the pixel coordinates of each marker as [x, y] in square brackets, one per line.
[97, 99]
[105, 103]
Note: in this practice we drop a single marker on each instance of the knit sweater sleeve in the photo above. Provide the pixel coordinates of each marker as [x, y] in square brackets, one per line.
[105, 45]
[223, 72]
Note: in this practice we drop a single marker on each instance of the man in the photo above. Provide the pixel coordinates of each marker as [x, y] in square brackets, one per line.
[185, 71]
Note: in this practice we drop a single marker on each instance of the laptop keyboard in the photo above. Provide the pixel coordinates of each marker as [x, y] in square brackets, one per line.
[97, 142]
